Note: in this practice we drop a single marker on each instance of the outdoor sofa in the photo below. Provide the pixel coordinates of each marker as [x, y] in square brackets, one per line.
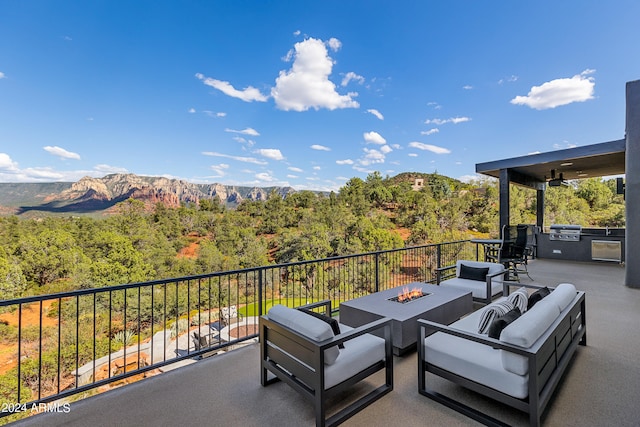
[303, 351]
[483, 279]
[521, 368]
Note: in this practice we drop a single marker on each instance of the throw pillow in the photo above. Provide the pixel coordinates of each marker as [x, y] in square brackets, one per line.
[537, 296]
[335, 327]
[473, 273]
[491, 313]
[502, 322]
[520, 299]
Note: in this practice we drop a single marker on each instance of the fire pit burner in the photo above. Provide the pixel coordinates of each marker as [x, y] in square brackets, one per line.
[407, 295]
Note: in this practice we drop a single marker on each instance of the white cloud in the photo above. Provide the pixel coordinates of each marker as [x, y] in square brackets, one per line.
[264, 176]
[316, 168]
[351, 76]
[371, 156]
[344, 162]
[454, 120]
[220, 169]
[434, 105]
[320, 147]
[292, 176]
[467, 87]
[385, 149]
[61, 152]
[396, 146]
[558, 92]
[429, 147]
[509, 80]
[107, 169]
[376, 113]
[247, 94]
[412, 155]
[296, 33]
[214, 114]
[247, 131]
[307, 85]
[334, 44]
[6, 164]
[2, 75]
[430, 131]
[374, 138]
[238, 158]
[294, 169]
[270, 153]
[192, 110]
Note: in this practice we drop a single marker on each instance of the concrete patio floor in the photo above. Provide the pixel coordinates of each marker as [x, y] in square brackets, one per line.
[601, 388]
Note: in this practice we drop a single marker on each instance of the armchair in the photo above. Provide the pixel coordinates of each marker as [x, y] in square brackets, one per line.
[302, 351]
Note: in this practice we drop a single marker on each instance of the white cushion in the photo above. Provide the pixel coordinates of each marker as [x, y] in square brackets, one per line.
[525, 331]
[306, 325]
[562, 295]
[493, 267]
[492, 312]
[359, 353]
[520, 298]
[478, 289]
[475, 361]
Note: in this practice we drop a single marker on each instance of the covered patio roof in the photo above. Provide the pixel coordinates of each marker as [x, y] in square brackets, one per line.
[604, 159]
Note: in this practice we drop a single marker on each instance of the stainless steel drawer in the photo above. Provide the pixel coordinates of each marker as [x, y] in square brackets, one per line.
[606, 250]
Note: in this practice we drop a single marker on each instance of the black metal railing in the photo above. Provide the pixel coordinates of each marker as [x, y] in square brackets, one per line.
[73, 342]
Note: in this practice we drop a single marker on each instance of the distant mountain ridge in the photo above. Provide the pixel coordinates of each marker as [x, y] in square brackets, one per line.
[93, 195]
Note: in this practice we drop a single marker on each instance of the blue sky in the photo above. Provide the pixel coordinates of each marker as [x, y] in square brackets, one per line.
[307, 94]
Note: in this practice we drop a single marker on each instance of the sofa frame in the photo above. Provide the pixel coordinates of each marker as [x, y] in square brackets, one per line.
[548, 359]
[299, 361]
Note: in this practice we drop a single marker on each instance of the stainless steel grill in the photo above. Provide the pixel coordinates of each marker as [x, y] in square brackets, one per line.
[565, 232]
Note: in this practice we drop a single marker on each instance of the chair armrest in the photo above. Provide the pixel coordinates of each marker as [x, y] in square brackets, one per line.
[439, 272]
[324, 303]
[384, 323]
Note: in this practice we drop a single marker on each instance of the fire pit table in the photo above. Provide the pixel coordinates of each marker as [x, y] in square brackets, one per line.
[435, 303]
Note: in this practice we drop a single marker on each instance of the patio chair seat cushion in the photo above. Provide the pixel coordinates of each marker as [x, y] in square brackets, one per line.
[477, 289]
[309, 326]
[359, 353]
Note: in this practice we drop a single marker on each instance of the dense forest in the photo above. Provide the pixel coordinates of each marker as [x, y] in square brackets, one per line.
[141, 243]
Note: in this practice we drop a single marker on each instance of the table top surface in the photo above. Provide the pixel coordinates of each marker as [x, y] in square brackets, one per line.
[379, 302]
[487, 241]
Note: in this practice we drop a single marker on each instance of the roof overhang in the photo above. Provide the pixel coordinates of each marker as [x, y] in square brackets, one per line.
[534, 170]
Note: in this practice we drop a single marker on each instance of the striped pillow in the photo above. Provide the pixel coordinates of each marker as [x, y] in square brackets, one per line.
[520, 299]
[491, 313]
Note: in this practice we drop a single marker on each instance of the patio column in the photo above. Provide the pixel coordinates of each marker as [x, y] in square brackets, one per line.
[632, 186]
[540, 208]
[505, 179]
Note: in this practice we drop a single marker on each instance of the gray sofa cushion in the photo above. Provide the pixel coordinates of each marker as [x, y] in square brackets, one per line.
[525, 331]
[306, 325]
[562, 295]
[478, 362]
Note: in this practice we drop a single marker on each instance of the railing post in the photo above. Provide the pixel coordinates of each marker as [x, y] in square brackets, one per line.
[439, 255]
[377, 257]
[260, 308]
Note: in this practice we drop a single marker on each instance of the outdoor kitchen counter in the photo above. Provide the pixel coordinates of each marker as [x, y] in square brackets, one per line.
[584, 249]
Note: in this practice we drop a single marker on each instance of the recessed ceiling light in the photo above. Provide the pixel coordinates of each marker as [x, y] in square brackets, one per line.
[583, 174]
[566, 164]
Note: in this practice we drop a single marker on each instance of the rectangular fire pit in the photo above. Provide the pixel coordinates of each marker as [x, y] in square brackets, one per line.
[438, 304]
